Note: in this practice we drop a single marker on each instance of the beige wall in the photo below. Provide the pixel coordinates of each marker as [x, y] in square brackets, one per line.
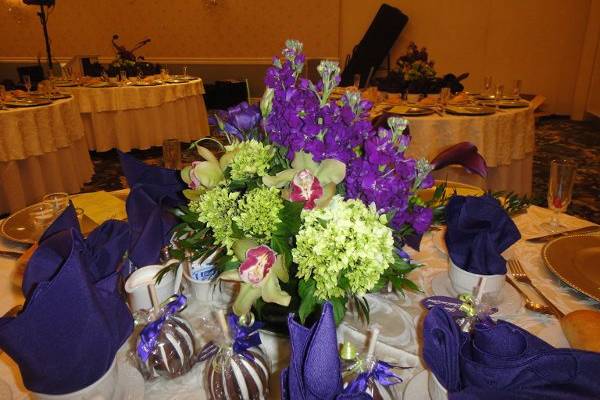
[178, 28]
[538, 41]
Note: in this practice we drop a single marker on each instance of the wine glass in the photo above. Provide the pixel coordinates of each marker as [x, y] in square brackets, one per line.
[516, 89]
[185, 71]
[560, 190]
[2, 95]
[444, 97]
[487, 85]
[498, 94]
[27, 83]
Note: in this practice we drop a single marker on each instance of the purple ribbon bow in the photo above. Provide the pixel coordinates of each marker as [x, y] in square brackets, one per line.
[150, 333]
[243, 338]
[381, 372]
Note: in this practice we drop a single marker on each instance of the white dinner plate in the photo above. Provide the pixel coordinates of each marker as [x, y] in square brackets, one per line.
[416, 388]
[130, 384]
[510, 303]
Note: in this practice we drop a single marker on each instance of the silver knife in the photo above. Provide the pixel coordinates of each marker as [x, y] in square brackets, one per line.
[546, 238]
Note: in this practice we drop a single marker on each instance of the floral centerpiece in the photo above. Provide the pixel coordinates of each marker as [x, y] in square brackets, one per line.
[416, 74]
[308, 202]
[126, 60]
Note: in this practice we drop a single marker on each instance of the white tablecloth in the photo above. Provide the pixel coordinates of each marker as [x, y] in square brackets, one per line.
[397, 316]
[141, 117]
[505, 139]
[42, 150]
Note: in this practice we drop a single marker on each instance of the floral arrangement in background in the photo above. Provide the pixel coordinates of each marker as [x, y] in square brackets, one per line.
[308, 202]
[416, 74]
[126, 60]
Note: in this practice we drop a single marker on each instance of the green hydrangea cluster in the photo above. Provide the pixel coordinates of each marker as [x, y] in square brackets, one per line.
[258, 213]
[216, 209]
[345, 239]
[252, 158]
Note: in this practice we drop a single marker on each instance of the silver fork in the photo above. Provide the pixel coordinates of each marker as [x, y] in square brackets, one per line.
[517, 271]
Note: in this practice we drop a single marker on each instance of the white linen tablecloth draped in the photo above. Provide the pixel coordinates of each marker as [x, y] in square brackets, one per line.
[42, 150]
[26, 132]
[505, 139]
[398, 317]
[135, 117]
[132, 97]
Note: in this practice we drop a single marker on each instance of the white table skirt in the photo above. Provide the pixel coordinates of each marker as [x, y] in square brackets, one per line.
[184, 119]
[24, 182]
[134, 117]
[398, 317]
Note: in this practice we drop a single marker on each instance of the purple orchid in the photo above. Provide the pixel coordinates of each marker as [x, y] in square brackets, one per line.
[464, 154]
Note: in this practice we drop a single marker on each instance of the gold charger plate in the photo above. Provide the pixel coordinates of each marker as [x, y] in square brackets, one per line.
[101, 85]
[576, 261]
[66, 84]
[51, 96]
[470, 110]
[176, 81]
[28, 103]
[19, 227]
[410, 110]
[507, 103]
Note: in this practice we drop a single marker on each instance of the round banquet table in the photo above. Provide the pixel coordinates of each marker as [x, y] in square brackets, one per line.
[505, 139]
[42, 150]
[139, 117]
[399, 317]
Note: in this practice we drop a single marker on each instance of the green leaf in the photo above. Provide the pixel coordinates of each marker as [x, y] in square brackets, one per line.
[282, 247]
[290, 219]
[306, 289]
[339, 309]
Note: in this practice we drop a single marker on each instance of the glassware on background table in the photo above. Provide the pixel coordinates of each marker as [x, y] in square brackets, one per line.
[357, 81]
[487, 85]
[560, 190]
[2, 95]
[498, 94]
[59, 201]
[444, 97]
[27, 82]
[172, 154]
[123, 77]
[185, 71]
[42, 213]
[516, 89]
[164, 73]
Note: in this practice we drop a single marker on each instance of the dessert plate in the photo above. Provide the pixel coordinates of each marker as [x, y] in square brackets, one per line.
[416, 388]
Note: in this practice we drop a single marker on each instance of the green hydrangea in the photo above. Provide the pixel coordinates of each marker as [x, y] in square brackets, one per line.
[216, 209]
[346, 239]
[251, 159]
[258, 213]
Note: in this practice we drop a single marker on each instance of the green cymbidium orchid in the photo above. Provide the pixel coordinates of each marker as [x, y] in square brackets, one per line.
[260, 272]
[203, 175]
[309, 181]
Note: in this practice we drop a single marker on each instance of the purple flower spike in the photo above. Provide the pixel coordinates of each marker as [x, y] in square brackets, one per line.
[465, 154]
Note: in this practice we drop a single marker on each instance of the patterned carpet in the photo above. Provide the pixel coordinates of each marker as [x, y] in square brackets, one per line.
[555, 138]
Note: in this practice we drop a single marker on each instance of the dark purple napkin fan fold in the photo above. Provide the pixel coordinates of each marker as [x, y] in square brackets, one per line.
[507, 362]
[314, 372]
[479, 230]
[73, 321]
[154, 192]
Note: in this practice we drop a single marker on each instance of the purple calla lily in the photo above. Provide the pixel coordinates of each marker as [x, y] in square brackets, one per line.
[464, 154]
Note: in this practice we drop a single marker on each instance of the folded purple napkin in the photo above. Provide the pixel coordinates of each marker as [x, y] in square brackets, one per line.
[505, 361]
[154, 192]
[314, 372]
[73, 321]
[479, 230]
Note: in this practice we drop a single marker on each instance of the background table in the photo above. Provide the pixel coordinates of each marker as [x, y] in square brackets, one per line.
[138, 117]
[505, 139]
[42, 150]
[398, 317]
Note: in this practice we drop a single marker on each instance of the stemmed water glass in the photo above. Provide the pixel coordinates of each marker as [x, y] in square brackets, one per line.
[560, 190]
[487, 85]
[27, 83]
[444, 97]
[498, 94]
[516, 89]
